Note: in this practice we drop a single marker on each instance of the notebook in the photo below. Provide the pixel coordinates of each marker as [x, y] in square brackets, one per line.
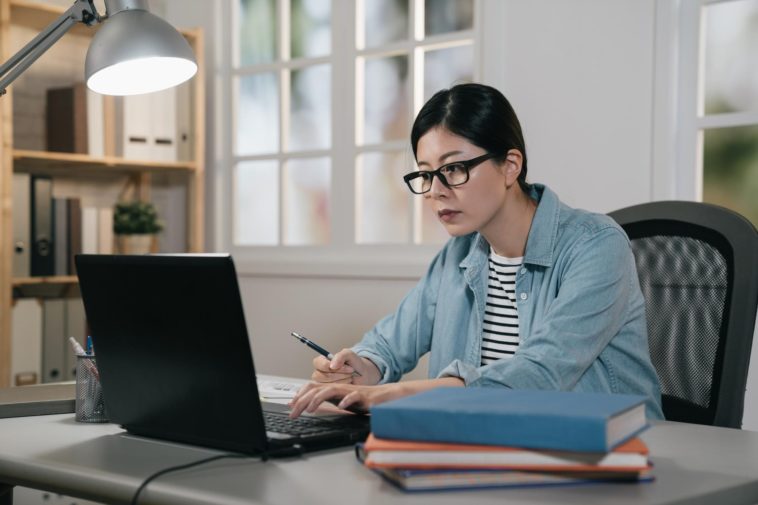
[175, 360]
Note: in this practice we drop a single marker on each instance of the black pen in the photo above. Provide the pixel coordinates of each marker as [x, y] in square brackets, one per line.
[316, 348]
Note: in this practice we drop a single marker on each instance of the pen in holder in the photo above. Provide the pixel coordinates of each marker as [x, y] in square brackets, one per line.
[90, 407]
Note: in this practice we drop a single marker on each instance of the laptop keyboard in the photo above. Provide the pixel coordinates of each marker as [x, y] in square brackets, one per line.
[280, 426]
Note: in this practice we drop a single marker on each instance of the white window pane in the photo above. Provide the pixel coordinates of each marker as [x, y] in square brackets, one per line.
[730, 169]
[311, 108]
[256, 203]
[311, 28]
[257, 31]
[385, 21]
[307, 184]
[386, 104]
[383, 201]
[442, 16]
[731, 39]
[444, 68]
[257, 114]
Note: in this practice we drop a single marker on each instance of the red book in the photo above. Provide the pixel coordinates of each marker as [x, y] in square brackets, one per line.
[631, 456]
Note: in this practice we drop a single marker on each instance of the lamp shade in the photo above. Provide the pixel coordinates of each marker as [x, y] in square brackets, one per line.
[136, 52]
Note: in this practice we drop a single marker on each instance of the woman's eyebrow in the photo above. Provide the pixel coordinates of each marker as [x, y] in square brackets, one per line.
[441, 158]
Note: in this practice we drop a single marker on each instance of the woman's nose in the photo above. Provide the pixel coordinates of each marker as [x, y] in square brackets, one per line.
[438, 188]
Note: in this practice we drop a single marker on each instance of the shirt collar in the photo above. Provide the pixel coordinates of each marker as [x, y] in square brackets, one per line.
[542, 234]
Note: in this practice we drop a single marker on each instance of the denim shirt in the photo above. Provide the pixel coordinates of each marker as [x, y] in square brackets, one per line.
[581, 312]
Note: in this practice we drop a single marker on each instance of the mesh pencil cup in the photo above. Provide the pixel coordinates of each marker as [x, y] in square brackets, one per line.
[90, 407]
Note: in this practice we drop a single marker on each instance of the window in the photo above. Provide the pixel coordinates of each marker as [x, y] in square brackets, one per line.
[726, 123]
[323, 96]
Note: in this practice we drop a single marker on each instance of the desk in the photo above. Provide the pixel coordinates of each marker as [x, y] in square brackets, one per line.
[693, 464]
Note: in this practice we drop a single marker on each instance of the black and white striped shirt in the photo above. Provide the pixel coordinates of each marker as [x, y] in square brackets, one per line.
[500, 335]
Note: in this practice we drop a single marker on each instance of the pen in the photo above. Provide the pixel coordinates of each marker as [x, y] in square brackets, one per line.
[79, 350]
[316, 348]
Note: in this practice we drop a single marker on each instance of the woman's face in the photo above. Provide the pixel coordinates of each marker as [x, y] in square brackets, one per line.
[478, 202]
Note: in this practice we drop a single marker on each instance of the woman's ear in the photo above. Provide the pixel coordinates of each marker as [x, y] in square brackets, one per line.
[513, 161]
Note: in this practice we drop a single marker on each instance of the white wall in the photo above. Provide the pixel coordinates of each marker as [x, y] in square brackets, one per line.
[593, 82]
[580, 76]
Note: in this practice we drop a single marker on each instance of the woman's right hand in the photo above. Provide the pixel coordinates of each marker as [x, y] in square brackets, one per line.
[346, 367]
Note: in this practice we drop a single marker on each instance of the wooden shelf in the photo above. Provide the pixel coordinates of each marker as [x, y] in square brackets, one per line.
[52, 162]
[37, 16]
[56, 279]
[19, 21]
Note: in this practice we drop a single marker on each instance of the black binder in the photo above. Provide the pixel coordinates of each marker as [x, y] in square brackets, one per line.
[43, 226]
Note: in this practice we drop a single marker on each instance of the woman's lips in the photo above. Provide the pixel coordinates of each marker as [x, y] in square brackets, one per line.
[447, 215]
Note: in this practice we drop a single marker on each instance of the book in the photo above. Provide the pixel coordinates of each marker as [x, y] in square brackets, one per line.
[66, 119]
[459, 480]
[631, 456]
[559, 420]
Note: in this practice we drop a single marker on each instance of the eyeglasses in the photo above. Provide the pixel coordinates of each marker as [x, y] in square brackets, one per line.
[451, 175]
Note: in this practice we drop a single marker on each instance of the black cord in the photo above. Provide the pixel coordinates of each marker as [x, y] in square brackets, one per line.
[181, 467]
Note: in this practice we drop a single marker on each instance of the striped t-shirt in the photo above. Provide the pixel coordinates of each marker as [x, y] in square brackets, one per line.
[500, 335]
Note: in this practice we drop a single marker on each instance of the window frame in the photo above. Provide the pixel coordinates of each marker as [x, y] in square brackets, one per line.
[691, 118]
[342, 257]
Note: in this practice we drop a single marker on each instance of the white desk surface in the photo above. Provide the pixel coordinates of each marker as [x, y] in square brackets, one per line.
[693, 464]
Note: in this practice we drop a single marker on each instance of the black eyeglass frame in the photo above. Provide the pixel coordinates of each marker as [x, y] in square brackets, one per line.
[429, 174]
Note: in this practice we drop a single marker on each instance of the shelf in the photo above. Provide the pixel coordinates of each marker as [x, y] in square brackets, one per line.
[37, 15]
[58, 286]
[52, 162]
[19, 282]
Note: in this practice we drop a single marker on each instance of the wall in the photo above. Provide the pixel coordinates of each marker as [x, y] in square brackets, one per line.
[594, 85]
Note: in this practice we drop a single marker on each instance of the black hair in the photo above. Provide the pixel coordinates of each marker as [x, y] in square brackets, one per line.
[478, 113]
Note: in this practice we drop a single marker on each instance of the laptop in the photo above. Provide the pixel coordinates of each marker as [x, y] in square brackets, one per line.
[175, 360]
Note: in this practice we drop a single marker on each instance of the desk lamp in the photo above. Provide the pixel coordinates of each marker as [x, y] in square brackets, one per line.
[134, 52]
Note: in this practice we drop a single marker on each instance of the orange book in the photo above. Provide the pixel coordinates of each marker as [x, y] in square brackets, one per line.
[631, 456]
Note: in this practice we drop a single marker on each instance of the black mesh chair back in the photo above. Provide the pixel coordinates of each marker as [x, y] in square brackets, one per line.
[698, 270]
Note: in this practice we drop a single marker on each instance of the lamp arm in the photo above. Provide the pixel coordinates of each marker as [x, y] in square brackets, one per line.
[83, 11]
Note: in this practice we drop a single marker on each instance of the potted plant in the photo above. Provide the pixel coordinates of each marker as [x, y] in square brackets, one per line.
[135, 225]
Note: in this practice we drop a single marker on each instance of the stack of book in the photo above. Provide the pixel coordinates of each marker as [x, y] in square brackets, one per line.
[466, 438]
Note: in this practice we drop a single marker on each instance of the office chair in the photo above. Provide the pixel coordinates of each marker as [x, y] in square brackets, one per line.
[698, 269]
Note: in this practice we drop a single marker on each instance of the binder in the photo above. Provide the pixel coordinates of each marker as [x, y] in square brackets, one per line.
[74, 215]
[53, 340]
[60, 210]
[21, 225]
[95, 123]
[163, 121]
[185, 133]
[89, 229]
[43, 221]
[148, 126]
[105, 230]
[26, 340]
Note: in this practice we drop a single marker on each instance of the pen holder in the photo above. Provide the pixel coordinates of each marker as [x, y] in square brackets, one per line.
[90, 407]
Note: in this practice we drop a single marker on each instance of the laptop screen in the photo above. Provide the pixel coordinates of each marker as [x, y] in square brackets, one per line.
[172, 348]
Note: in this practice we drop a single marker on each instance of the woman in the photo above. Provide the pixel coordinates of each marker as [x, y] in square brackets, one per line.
[528, 294]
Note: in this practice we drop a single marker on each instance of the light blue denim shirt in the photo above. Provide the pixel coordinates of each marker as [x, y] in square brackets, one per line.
[580, 309]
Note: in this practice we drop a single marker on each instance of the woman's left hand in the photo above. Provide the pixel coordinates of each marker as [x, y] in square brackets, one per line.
[350, 397]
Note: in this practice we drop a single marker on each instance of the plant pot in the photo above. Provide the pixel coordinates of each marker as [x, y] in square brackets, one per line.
[135, 244]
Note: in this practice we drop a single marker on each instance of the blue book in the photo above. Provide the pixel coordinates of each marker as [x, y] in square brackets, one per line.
[558, 420]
